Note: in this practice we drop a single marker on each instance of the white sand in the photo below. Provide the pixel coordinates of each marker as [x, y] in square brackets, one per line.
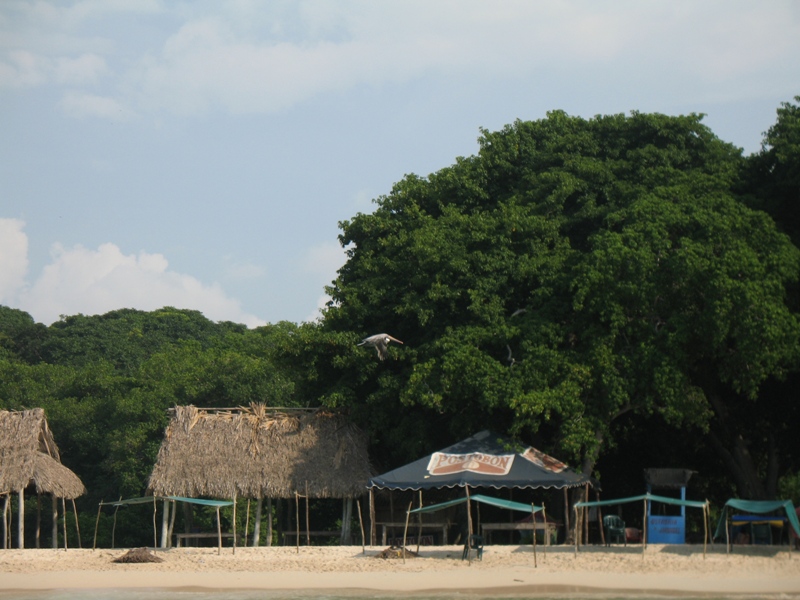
[505, 570]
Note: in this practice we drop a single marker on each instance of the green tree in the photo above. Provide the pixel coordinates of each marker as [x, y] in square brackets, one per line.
[572, 272]
[773, 176]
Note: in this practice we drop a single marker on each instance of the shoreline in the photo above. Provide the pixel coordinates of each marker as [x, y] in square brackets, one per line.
[504, 571]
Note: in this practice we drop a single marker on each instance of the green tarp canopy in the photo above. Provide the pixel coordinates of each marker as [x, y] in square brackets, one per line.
[151, 499]
[509, 504]
[759, 507]
[648, 497]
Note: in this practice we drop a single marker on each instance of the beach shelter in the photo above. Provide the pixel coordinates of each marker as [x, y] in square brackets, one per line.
[153, 500]
[760, 512]
[646, 500]
[483, 460]
[261, 452]
[481, 499]
[29, 457]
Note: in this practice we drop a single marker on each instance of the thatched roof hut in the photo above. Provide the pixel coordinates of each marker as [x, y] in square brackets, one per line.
[260, 452]
[29, 456]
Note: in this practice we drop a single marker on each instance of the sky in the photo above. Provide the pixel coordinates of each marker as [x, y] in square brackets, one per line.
[201, 154]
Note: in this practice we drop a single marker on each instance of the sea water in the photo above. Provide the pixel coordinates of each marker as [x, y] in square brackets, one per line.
[160, 594]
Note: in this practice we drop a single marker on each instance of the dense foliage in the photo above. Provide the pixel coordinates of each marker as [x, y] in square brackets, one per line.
[620, 291]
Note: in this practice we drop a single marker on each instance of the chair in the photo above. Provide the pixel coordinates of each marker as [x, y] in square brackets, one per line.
[475, 543]
[761, 533]
[614, 528]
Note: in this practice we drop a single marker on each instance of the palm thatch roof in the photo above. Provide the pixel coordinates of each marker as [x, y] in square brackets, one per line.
[260, 452]
[29, 456]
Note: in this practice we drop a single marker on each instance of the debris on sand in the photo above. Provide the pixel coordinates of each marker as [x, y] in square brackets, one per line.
[138, 555]
[396, 552]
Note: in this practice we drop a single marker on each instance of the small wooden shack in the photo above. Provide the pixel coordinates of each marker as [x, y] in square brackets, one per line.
[29, 458]
[260, 452]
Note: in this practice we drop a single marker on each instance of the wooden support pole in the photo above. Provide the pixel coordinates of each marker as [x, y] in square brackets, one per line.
[219, 534]
[64, 512]
[469, 529]
[96, 524]
[21, 520]
[77, 525]
[361, 525]
[371, 517]
[297, 519]
[533, 520]
[405, 531]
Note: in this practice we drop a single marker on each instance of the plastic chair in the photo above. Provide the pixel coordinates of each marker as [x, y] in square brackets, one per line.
[475, 543]
[614, 529]
[761, 533]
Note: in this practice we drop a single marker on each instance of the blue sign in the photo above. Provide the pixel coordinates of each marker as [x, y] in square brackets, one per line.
[666, 530]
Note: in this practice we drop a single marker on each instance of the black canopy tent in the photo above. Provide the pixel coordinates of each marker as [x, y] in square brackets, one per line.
[484, 460]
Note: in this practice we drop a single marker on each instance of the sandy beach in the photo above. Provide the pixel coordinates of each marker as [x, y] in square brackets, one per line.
[503, 570]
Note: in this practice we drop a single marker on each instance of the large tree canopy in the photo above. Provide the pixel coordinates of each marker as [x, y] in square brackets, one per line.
[571, 272]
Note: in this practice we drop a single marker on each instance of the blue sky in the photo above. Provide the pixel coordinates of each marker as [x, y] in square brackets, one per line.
[201, 154]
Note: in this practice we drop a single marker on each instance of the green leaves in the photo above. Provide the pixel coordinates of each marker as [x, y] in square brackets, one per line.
[574, 271]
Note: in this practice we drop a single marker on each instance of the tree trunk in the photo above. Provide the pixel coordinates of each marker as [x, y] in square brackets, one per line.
[733, 449]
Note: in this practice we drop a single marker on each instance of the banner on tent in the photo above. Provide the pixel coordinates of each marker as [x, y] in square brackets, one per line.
[442, 463]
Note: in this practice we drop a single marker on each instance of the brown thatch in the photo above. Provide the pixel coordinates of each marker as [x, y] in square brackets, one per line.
[259, 452]
[29, 456]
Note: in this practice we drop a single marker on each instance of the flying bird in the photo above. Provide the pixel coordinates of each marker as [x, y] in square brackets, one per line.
[379, 341]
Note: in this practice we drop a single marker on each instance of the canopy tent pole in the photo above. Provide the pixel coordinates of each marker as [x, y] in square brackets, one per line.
[546, 529]
[533, 520]
[361, 526]
[419, 519]
[64, 512]
[21, 520]
[77, 525]
[469, 529]
[705, 528]
[371, 517]
[155, 535]
[172, 523]
[233, 525]
[114, 526]
[644, 527]
[219, 534]
[97, 523]
[405, 531]
[247, 522]
[297, 520]
[566, 514]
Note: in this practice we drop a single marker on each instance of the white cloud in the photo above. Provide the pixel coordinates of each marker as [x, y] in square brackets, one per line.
[87, 68]
[323, 260]
[13, 259]
[253, 57]
[80, 280]
[81, 104]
